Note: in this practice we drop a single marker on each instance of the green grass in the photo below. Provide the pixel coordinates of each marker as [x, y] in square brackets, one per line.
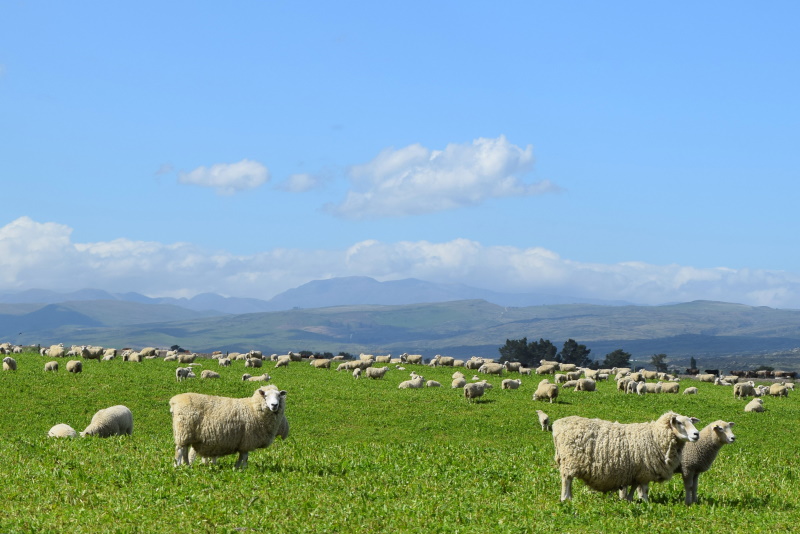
[364, 456]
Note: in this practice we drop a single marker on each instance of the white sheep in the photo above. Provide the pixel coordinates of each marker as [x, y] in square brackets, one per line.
[612, 456]
[182, 373]
[491, 368]
[433, 384]
[321, 363]
[586, 384]
[62, 431]
[744, 389]
[74, 366]
[699, 455]
[458, 383]
[473, 390]
[510, 384]
[778, 390]
[457, 374]
[113, 421]
[224, 362]
[544, 420]
[283, 361]
[9, 364]
[208, 373]
[260, 378]
[357, 372]
[690, 391]
[670, 387]
[252, 362]
[375, 372]
[546, 390]
[219, 426]
[51, 366]
[755, 405]
[415, 383]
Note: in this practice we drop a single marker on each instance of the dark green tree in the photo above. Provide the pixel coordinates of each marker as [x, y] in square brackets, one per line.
[659, 361]
[529, 354]
[618, 358]
[541, 350]
[692, 363]
[574, 352]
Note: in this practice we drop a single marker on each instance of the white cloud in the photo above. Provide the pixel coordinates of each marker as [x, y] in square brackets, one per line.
[42, 255]
[416, 180]
[300, 183]
[228, 178]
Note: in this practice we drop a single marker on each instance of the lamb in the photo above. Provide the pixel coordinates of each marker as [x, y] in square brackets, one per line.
[510, 384]
[51, 366]
[113, 421]
[62, 431]
[182, 373]
[219, 426]
[458, 383]
[357, 372]
[755, 405]
[690, 391]
[611, 456]
[208, 373]
[416, 382]
[473, 390]
[546, 390]
[376, 372]
[74, 366]
[544, 420]
[9, 364]
[699, 455]
[260, 378]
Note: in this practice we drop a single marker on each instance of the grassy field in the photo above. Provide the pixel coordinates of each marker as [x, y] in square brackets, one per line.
[364, 456]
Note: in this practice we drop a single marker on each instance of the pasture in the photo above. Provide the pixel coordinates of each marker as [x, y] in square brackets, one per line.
[364, 456]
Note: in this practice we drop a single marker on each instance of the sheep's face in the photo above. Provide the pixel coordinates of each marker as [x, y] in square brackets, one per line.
[724, 432]
[683, 427]
[273, 398]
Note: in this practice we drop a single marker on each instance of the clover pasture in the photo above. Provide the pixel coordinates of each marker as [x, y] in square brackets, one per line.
[364, 456]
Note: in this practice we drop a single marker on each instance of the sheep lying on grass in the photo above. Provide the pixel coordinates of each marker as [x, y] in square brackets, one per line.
[417, 382]
[755, 405]
[612, 456]
[207, 373]
[62, 431]
[260, 378]
[113, 421]
[219, 426]
[9, 364]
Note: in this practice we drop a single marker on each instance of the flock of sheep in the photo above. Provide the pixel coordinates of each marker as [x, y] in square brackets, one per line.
[606, 456]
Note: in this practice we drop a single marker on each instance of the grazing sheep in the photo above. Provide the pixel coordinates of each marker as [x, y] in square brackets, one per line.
[208, 373]
[458, 383]
[755, 405]
[376, 372]
[612, 456]
[586, 384]
[510, 384]
[432, 384]
[74, 366]
[252, 362]
[56, 351]
[569, 384]
[778, 390]
[690, 391]
[670, 387]
[411, 358]
[546, 390]
[415, 383]
[744, 389]
[113, 421]
[183, 357]
[544, 420]
[219, 426]
[525, 370]
[699, 455]
[91, 353]
[546, 369]
[62, 430]
[706, 377]
[283, 361]
[513, 366]
[51, 366]
[322, 363]
[473, 390]
[574, 375]
[357, 372]
[224, 362]
[182, 373]
[622, 383]
[9, 364]
[260, 378]
[132, 357]
[491, 368]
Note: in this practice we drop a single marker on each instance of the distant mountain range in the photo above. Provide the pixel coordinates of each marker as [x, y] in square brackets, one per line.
[359, 314]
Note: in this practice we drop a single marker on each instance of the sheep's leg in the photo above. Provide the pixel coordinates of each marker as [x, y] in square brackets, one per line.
[241, 462]
[566, 487]
[181, 455]
[642, 491]
[625, 493]
[695, 482]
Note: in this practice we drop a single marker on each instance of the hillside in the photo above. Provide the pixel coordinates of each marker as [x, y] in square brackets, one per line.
[716, 334]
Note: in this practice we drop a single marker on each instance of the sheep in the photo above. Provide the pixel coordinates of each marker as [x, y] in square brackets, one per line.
[622, 383]
[569, 384]
[473, 390]
[611, 456]
[182, 373]
[458, 383]
[375, 372]
[546, 390]
[670, 387]
[525, 370]
[474, 363]
[432, 384]
[357, 372]
[778, 390]
[224, 362]
[132, 357]
[113, 421]
[62, 430]
[566, 367]
[283, 361]
[74, 366]
[383, 359]
[755, 405]
[56, 351]
[491, 368]
[573, 375]
[546, 369]
[586, 384]
[544, 421]
[690, 391]
[91, 353]
[699, 455]
[416, 382]
[260, 378]
[321, 363]
[219, 426]
[208, 373]
[744, 389]
[457, 374]
[9, 364]
[512, 366]
[510, 384]
[559, 378]
[51, 366]
[182, 357]
[706, 377]
[444, 361]
[252, 362]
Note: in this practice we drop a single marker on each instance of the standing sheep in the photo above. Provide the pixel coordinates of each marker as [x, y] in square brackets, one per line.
[356, 372]
[113, 421]
[74, 366]
[473, 390]
[9, 364]
[690, 391]
[376, 372]
[218, 426]
[510, 384]
[699, 455]
[544, 420]
[182, 373]
[51, 366]
[612, 456]
[546, 390]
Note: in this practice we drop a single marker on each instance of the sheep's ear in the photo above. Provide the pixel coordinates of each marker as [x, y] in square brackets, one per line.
[282, 393]
[730, 423]
[694, 420]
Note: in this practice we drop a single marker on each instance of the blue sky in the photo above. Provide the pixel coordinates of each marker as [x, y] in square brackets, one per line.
[619, 150]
